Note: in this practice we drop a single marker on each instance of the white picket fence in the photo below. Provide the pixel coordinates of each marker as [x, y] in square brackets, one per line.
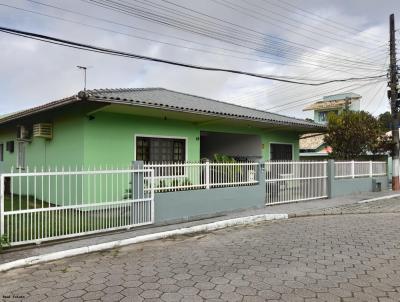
[353, 169]
[191, 176]
[48, 205]
[291, 181]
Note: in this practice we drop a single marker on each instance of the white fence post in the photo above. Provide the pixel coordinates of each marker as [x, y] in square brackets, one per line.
[152, 194]
[207, 175]
[370, 168]
[352, 169]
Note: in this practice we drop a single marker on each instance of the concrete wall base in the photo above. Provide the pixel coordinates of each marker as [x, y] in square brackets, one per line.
[197, 204]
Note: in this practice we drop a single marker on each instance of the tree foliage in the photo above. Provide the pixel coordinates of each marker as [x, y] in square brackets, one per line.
[354, 134]
[385, 119]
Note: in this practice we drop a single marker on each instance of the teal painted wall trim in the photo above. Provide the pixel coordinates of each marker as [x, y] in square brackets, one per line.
[347, 186]
[195, 204]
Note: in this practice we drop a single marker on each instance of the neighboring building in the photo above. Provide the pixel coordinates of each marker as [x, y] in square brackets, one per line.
[116, 126]
[312, 145]
[334, 103]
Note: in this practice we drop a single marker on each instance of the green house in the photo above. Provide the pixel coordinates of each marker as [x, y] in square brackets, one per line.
[113, 127]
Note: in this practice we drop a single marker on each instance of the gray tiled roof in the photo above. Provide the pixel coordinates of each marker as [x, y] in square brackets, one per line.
[177, 101]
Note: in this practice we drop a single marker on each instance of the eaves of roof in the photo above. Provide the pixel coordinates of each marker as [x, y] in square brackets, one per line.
[103, 96]
[51, 105]
[100, 96]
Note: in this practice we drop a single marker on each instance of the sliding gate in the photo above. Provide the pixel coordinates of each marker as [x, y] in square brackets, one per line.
[291, 181]
[47, 205]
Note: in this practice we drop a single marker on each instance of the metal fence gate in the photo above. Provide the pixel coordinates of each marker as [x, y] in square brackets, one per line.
[46, 205]
[290, 181]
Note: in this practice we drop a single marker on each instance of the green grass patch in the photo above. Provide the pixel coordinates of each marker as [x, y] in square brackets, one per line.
[51, 221]
[16, 203]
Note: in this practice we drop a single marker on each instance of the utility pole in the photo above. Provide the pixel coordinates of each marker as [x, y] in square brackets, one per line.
[394, 106]
[84, 68]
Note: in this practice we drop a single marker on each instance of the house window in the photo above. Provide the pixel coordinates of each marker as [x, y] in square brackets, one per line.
[323, 116]
[281, 152]
[10, 146]
[1, 152]
[21, 160]
[156, 149]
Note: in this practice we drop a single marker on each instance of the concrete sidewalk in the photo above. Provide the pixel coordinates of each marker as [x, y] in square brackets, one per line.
[292, 209]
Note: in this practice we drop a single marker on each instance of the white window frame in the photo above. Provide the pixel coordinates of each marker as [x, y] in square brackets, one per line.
[160, 136]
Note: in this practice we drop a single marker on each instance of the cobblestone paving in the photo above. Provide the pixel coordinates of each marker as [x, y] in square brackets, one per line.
[320, 258]
[379, 206]
[290, 208]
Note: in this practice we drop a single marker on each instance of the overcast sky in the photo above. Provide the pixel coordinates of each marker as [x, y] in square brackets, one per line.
[316, 40]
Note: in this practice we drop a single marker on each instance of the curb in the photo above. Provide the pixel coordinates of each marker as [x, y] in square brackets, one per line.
[378, 198]
[150, 237]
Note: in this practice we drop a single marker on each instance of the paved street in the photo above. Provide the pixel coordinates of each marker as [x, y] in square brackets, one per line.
[313, 207]
[320, 258]
[380, 206]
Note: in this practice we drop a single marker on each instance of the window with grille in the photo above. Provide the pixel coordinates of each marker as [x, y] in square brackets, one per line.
[281, 152]
[156, 149]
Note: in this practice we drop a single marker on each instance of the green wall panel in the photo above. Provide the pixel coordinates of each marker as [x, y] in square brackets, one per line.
[109, 137]
[64, 150]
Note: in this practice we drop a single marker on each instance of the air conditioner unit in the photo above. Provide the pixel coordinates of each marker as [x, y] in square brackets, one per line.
[23, 133]
[43, 130]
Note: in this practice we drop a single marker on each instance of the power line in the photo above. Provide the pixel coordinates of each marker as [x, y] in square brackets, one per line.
[377, 92]
[338, 60]
[136, 28]
[278, 88]
[235, 42]
[382, 99]
[325, 30]
[140, 37]
[144, 38]
[267, 19]
[300, 102]
[87, 47]
[101, 19]
[318, 17]
[307, 101]
[152, 16]
[246, 28]
[310, 99]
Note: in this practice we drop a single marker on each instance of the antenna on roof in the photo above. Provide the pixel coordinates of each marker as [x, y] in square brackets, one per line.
[84, 68]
